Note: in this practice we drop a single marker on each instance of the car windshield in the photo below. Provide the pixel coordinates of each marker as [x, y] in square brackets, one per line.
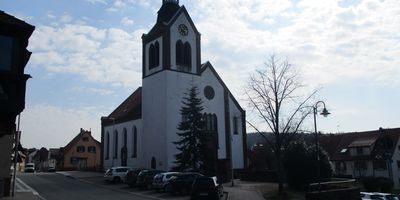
[29, 165]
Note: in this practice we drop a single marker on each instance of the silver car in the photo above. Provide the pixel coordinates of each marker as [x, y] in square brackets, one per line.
[161, 181]
[377, 196]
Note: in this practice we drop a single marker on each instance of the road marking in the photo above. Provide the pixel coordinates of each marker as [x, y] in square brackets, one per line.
[21, 186]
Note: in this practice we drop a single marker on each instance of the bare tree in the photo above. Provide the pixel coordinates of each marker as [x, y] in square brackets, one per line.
[274, 95]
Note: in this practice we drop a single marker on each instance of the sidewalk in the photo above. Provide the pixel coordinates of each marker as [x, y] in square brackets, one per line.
[247, 190]
[23, 192]
[22, 196]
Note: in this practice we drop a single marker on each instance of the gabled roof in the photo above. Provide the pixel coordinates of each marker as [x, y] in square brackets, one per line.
[162, 26]
[77, 138]
[208, 65]
[338, 145]
[130, 109]
[10, 23]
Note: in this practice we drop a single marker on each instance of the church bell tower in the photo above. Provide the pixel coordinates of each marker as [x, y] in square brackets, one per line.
[173, 43]
[171, 65]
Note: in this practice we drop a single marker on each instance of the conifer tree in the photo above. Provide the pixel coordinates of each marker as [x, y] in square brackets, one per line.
[191, 144]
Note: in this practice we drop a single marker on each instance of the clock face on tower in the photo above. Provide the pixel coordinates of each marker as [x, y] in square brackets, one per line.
[183, 29]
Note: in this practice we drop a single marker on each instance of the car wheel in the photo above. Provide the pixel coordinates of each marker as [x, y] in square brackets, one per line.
[116, 179]
[167, 188]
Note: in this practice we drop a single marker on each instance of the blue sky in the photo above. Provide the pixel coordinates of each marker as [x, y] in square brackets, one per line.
[87, 56]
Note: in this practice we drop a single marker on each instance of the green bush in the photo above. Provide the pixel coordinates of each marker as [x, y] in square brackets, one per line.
[301, 166]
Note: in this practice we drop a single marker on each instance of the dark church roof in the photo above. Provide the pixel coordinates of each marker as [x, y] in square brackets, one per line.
[167, 11]
[130, 109]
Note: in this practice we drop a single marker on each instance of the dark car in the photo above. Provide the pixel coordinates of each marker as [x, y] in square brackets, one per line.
[145, 178]
[131, 177]
[182, 183]
[206, 188]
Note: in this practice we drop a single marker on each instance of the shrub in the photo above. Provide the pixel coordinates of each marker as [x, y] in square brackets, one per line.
[301, 166]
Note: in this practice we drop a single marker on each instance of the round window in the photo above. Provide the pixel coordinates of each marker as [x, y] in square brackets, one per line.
[209, 92]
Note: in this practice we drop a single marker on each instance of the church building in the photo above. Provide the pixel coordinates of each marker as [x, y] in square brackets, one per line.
[141, 131]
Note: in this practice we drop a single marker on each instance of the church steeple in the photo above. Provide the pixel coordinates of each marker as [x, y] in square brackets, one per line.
[167, 10]
[170, 1]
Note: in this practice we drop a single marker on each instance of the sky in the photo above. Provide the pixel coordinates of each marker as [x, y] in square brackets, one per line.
[86, 57]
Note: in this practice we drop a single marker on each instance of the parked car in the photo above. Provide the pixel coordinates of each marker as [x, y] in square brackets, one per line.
[116, 174]
[182, 183]
[161, 181]
[51, 169]
[131, 177]
[206, 188]
[145, 178]
[377, 196]
[30, 167]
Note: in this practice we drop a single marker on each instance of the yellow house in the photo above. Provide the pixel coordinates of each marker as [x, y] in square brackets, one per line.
[82, 153]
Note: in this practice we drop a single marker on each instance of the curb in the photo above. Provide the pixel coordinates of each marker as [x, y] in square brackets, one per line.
[227, 195]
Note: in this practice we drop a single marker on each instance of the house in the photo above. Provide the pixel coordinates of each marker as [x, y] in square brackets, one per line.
[140, 132]
[81, 153]
[360, 154]
[55, 158]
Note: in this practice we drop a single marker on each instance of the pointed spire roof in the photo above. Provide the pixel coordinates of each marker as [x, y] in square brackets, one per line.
[167, 10]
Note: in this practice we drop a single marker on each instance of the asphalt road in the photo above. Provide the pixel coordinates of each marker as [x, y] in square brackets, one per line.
[53, 186]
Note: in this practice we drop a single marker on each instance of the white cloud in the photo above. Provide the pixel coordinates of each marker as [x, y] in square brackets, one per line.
[98, 55]
[65, 18]
[360, 40]
[122, 5]
[87, 90]
[126, 21]
[97, 1]
[50, 126]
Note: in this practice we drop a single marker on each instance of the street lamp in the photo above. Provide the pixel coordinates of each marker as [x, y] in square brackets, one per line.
[324, 113]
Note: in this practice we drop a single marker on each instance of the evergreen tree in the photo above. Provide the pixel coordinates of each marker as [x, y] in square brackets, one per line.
[192, 141]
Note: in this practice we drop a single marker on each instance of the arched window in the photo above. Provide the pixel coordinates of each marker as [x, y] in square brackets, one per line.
[211, 125]
[151, 56]
[107, 145]
[179, 52]
[125, 137]
[115, 144]
[134, 142]
[210, 122]
[183, 56]
[235, 125]
[187, 58]
[156, 54]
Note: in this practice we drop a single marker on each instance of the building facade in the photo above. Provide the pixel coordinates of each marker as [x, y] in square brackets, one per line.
[365, 154]
[141, 131]
[81, 153]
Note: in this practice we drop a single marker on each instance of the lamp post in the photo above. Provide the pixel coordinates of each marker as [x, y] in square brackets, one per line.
[324, 113]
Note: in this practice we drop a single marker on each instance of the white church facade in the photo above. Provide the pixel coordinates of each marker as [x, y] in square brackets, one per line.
[140, 132]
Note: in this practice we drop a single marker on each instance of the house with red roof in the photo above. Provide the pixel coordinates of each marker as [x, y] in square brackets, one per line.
[141, 132]
[360, 154]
